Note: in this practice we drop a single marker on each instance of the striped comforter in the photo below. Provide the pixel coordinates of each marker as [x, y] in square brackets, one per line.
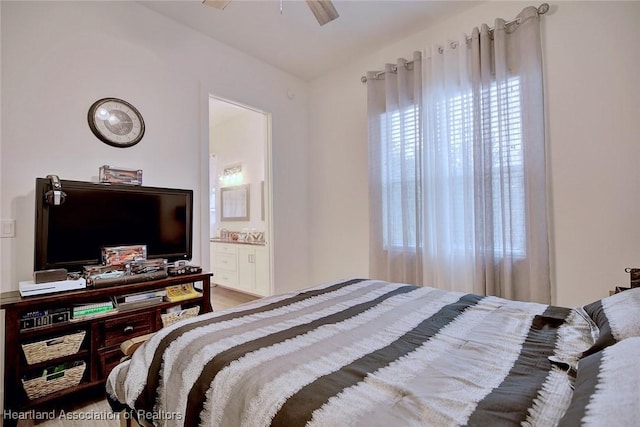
[361, 353]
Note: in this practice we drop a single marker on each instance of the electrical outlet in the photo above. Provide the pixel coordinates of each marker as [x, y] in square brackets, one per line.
[8, 228]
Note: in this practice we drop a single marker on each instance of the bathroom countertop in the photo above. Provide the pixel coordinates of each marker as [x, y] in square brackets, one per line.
[237, 242]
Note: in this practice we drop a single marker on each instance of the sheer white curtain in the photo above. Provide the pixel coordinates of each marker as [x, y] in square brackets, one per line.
[473, 176]
[395, 173]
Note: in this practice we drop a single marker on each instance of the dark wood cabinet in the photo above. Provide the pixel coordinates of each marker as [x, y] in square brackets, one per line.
[102, 334]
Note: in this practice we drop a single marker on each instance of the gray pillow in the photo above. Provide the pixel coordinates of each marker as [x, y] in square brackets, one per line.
[606, 389]
[617, 318]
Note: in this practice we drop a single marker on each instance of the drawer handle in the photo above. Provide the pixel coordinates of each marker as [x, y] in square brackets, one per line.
[127, 330]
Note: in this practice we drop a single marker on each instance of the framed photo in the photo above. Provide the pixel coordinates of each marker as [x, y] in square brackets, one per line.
[234, 203]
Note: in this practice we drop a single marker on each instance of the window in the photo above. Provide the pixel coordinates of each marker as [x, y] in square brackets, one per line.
[507, 172]
[500, 182]
[400, 136]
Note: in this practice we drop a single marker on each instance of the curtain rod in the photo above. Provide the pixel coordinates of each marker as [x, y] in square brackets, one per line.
[542, 9]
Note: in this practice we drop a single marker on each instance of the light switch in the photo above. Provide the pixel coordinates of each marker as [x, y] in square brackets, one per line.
[8, 228]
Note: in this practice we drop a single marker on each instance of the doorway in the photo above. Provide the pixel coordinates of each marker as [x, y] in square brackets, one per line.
[240, 231]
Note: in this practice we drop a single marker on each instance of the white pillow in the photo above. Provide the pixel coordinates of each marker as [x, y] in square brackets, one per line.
[606, 390]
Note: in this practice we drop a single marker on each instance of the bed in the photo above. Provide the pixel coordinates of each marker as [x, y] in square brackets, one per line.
[373, 353]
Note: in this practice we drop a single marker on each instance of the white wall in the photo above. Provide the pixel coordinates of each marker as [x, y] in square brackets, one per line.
[59, 57]
[593, 105]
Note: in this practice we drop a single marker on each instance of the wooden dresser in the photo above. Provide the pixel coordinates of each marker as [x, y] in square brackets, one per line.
[101, 336]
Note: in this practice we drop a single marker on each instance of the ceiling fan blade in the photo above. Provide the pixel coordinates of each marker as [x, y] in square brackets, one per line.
[323, 10]
[218, 4]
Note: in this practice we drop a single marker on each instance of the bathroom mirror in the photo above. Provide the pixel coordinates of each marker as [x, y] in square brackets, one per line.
[234, 203]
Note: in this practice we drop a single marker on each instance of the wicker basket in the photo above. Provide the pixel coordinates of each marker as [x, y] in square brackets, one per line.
[50, 383]
[171, 318]
[51, 348]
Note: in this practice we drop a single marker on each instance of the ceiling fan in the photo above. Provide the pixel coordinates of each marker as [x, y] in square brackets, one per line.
[323, 10]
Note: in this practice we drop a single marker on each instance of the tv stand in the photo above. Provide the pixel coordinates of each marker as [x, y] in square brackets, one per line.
[100, 347]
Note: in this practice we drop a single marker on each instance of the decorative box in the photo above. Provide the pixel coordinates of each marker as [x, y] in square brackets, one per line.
[120, 176]
[141, 266]
[104, 275]
[122, 255]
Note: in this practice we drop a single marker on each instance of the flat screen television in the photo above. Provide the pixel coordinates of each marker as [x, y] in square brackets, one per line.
[71, 235]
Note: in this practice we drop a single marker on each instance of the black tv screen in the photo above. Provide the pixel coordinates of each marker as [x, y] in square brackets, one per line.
[92, 216]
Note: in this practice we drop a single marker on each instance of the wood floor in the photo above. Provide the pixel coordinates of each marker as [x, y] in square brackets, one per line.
[222, 298]
[96, 412]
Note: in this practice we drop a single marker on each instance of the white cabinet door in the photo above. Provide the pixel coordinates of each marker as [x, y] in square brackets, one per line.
[262, 272]
[247, 268]
[253, 270]
[242, 267]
